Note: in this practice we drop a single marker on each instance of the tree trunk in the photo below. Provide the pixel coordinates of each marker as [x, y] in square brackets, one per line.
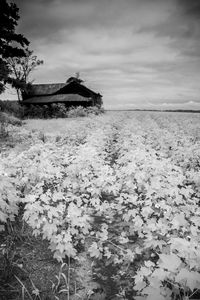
[18, 95]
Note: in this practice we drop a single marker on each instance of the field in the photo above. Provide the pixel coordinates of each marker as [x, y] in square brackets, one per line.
[109, 204]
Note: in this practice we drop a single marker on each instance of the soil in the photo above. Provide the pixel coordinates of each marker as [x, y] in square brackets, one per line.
[28, 262]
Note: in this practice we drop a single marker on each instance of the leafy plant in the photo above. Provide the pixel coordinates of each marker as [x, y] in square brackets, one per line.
[126, 188]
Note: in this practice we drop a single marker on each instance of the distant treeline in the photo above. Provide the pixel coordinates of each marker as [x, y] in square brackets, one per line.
[158, 110]
[183, 110]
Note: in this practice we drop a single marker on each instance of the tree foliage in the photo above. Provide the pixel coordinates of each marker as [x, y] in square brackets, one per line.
[20, 69]
[12, 44]
[75, 79]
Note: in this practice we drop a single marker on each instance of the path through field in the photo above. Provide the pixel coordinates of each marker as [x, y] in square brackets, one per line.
[120, 194]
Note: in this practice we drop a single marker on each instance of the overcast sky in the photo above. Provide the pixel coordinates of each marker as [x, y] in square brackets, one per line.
[136, 53]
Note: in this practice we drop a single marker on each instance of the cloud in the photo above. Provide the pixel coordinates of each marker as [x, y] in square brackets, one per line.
[182, 25]
[43, 18]
[48, 18]
[190, 8]
[134, 52]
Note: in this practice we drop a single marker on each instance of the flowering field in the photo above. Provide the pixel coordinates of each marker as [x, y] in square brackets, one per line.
[124, 188]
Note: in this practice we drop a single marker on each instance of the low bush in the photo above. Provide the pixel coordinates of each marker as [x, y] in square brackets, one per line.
[54, 110]
[12, 107]
[80, 111]
[95, 110]
[59, 110]
[3, 130]
[9, 119]
[5, 120]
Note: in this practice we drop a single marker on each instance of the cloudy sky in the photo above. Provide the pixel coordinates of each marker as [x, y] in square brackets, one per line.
[136, 53]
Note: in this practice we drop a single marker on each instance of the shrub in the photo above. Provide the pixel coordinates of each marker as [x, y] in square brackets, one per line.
[34, 111]
[59, 110]
[5, 120]
[9, 119]
[12, 107]
[95, 110]
[3, 131]
[54, 110]
[80, 111]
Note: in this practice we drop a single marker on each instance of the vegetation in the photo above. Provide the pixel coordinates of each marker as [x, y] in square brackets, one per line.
[7, 119]
[12, 107]
[21, 68]
[8, 40]
[119, 191]
[47, 111]
[76, 79]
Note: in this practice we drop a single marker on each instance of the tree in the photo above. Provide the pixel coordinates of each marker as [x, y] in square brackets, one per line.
[20, 68]
[11, 43]
[76, 79]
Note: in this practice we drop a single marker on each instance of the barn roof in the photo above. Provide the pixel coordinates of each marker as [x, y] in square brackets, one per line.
[54, 88]
[56, 98]
[45, 89]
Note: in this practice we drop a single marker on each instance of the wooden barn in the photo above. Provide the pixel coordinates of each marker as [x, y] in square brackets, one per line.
[71, 93]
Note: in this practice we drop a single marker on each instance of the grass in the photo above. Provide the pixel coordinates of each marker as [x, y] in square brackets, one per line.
[28, 271]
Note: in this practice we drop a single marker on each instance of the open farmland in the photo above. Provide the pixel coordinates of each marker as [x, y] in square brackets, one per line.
[116, 195]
